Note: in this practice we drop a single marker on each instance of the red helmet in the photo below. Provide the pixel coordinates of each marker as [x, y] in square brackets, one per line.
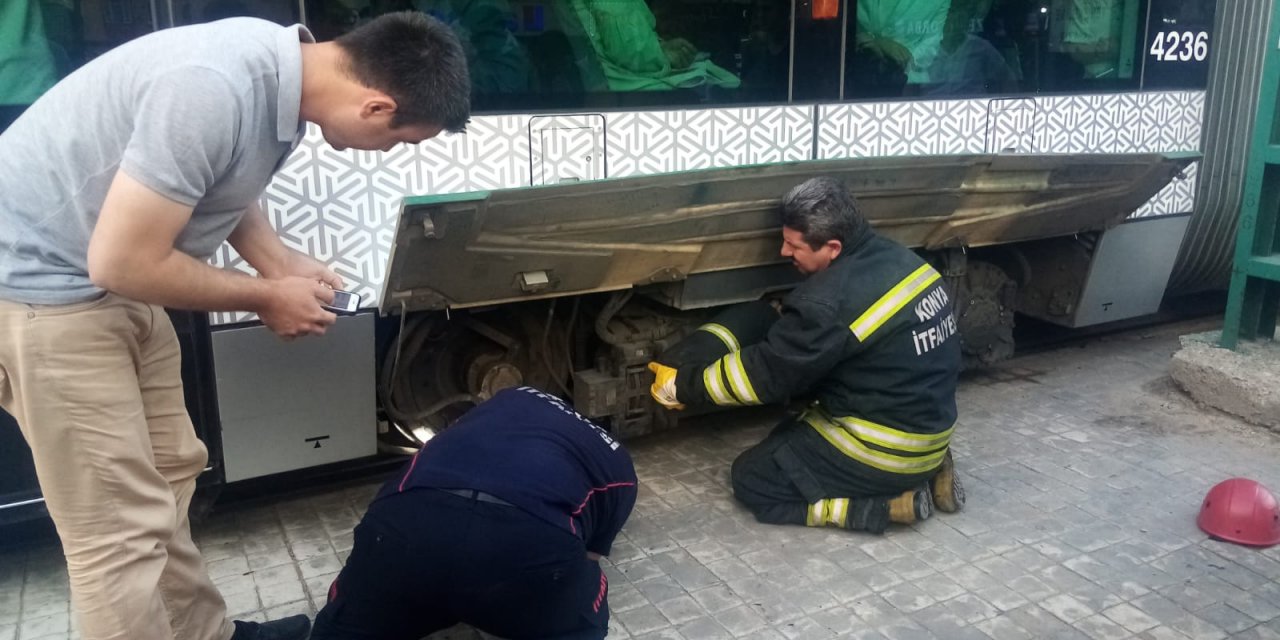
[1242, 511]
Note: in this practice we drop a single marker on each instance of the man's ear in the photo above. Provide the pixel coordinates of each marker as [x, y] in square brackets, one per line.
[378, 105]
[835, 246]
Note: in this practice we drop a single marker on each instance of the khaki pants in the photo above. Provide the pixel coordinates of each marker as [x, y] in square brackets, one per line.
[96, 389]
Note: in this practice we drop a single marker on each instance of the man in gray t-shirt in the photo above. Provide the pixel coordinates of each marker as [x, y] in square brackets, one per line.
[115, 188]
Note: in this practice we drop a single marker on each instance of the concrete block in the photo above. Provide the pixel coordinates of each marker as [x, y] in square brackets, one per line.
[1244, 383]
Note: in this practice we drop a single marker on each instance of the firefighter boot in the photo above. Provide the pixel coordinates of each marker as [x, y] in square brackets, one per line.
[912, 506]
[948, 493]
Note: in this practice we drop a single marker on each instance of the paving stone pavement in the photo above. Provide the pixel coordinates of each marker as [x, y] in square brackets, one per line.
[1084, 467]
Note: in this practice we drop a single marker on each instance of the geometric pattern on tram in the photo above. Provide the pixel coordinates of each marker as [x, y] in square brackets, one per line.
[341, 206]
[1108, 123]
[642, 143]
[879, 129]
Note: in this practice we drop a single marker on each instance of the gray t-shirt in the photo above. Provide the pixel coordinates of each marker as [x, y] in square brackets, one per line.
[203, 115]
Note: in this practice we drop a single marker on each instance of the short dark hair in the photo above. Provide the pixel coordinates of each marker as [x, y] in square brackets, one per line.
[418, 61]
[822, 209]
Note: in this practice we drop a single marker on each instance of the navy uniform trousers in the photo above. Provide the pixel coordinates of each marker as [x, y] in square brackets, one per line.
[425, 560]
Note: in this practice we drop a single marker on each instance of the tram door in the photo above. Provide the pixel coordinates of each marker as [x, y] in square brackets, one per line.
[1013, 125]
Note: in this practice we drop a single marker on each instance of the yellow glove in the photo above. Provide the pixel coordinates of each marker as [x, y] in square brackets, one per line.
[664, 386]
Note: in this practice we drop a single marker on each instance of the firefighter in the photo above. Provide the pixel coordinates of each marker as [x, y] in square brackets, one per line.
[499, 522]
[870, 335]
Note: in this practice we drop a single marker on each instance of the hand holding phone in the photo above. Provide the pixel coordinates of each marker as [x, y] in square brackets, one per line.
[344, 302]
[291, 310]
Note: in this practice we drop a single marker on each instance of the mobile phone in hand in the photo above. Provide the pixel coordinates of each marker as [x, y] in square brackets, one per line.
[344, 302]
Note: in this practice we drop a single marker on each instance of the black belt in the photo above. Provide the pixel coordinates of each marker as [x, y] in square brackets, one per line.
[479, 496]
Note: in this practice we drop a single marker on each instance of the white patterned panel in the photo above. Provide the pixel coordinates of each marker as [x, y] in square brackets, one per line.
[492, 154]
[1122, 123]
[1110, 123]
[1171, 121]
[567, 148]
[1107, 123]
[1089, 124]
[1178, 196]
[649, 142]
[340, 206]
[940, 127]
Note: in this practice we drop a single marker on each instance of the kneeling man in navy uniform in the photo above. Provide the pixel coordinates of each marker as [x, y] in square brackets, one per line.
[499, 522]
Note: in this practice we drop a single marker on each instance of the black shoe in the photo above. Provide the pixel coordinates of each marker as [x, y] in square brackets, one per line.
[292, 628]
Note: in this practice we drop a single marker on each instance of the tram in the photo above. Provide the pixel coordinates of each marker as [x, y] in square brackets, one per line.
[1093, 137]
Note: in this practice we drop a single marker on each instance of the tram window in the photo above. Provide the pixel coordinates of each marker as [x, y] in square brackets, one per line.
[818, 39]
[765, 47]
[1095, 41]
[43, 40]
[329, 19]
[572, 54]
[1179, 42]
[193, 11]
[943, 48]
[892, 45]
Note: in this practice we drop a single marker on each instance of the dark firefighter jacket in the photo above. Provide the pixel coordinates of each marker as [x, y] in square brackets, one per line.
[872, 339]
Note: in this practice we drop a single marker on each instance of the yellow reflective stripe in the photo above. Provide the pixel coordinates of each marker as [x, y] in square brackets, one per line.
[816, 516]
[893, 438]
[738, 379]
[891, 302]
[839, 512]
[829, 511]
[854, 448]
[722, 332]
[714, 383]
